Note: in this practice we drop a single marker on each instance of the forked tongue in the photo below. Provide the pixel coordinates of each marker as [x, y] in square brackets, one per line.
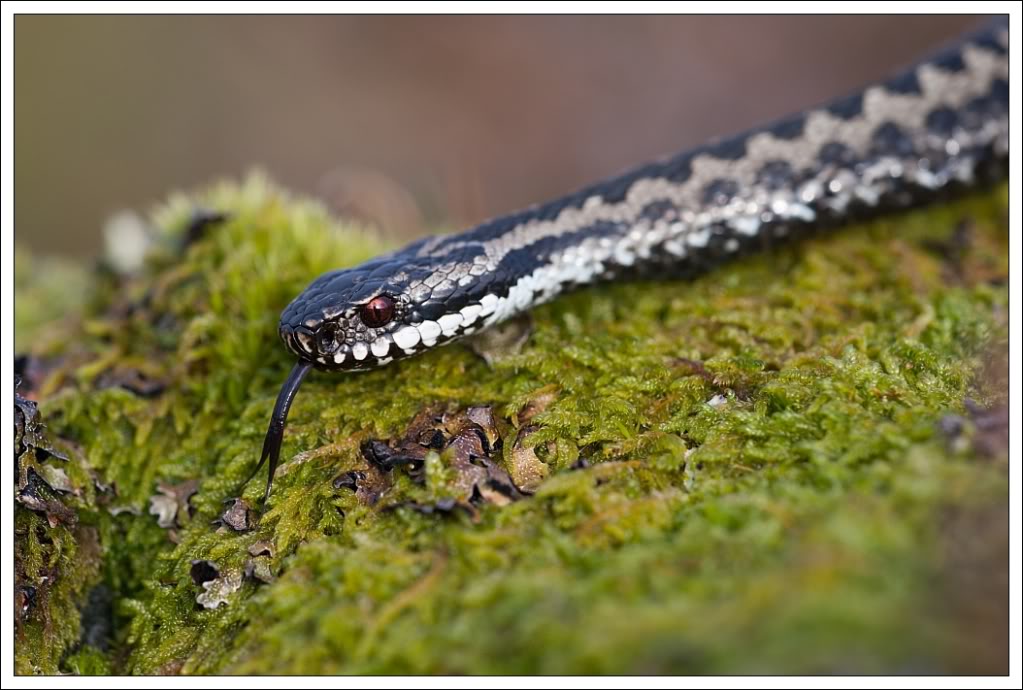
[275, 432]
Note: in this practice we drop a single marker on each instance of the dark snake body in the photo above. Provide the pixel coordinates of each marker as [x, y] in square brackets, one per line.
[936, 129]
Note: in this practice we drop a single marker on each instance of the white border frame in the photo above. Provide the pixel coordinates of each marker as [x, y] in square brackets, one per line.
[10, 9]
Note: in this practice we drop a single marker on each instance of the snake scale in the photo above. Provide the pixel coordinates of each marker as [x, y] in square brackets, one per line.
[936, 129]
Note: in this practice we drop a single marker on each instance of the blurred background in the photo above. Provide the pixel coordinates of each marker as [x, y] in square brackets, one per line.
[406, 122]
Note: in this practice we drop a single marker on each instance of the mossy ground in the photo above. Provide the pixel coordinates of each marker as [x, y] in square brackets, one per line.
[768, 490]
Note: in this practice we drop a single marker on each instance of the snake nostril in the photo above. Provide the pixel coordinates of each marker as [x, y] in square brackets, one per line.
[326, 338]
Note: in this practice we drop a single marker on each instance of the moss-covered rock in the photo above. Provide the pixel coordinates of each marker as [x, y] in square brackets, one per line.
[57, 558]
[792, 464]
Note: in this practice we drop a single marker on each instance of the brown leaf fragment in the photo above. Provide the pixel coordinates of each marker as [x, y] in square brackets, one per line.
[526, 470]
[376, 452]
[348, 480]
[466, 440]
[39, 497]
[30, 432]
[422, 426]
[483, 417]
[469, 443]
[477, 476]
[424, 433]
[56, 478]
[262, 547]
[465, 455]
[237, 516]
[165, 508]
[369, 483]
[380, 454]
[219, 590]
[171, 505]
[499, 488]
[259, 569]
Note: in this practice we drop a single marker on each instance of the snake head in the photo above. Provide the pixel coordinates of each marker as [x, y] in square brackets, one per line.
[386, 309]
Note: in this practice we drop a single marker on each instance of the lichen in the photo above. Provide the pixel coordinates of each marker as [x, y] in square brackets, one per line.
[744, 473]
[57, 554]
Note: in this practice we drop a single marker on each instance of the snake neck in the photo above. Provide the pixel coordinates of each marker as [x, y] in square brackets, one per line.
[931, 131]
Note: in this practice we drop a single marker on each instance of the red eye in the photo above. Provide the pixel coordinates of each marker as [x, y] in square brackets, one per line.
[378, 311]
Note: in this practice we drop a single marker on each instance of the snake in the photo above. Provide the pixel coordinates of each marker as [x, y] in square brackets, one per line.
[936, 129]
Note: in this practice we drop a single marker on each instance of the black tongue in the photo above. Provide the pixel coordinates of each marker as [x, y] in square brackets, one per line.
[275, 432]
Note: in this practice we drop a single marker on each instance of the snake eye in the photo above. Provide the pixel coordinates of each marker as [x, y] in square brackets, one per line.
[378, 311]
[326, 338]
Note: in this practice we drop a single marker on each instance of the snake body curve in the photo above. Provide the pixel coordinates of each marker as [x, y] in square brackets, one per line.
[936, 129]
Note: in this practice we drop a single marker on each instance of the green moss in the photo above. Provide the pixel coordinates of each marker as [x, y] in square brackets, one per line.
[49, 289]
[768, 490]
[88, 661]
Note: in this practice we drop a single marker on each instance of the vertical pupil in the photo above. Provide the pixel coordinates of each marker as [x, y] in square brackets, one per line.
[378, 311]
